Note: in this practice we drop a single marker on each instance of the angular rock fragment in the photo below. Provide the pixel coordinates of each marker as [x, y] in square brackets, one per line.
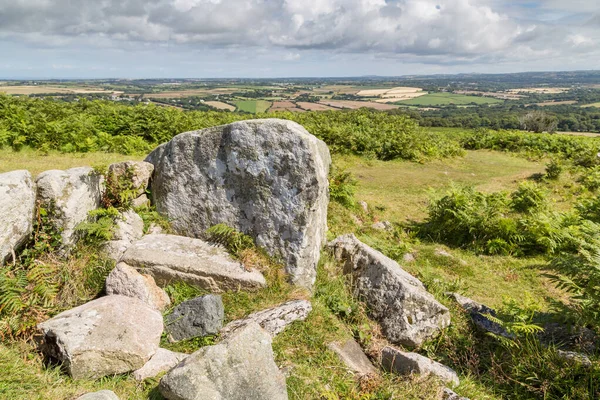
[170, 258]
[266, 178]
[68, 196]
[352, 355]
[162, 361]
[129, 227]
[17, 210]
[448, 394]
[407, 313]
[200, 316]
[239, 368]
[127, 281]
[405, 363]
[273, 320]
[107, 336]
[100, 395]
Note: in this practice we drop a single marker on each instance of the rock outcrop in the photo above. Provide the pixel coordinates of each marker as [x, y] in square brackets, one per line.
[407, 313]
[68, 196]
[162, 361]
[17, 210]
[170, 258]
[266, 178]
[107, 336]
[200, 316]
[352, 355]
[405, 363]
[239, 368]
[273, 320]
[100, 395]
[127, 281]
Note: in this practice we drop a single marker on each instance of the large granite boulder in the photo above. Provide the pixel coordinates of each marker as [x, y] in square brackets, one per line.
[200, 316]
[407, 313]
[170, 258]
[69, 196]
[239, 368]
[127, 281]
[273, 320]
[406, 363]
[107, 336]
[266, 178]
[17, 210]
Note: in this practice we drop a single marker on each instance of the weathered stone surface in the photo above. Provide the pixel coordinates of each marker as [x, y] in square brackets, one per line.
[448, 394]
[239, 368]
[162, 361]
[273, 320]
[266, 178]
[478, 313]
[405, 363]
[575, 357]
[69, 196]
[129, 227]
[177, 258]
[107, 336]
[407, 313]
[100, 395]
[409, 257]
[352, 355]
[200, 316]
[17, 209]
[143, 200]
[138, 172]
[382, 226]
[127, 281]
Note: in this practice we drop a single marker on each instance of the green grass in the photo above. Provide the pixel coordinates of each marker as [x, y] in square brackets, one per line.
[253, 106]
[592, 105]
[36, 162]
[443, 99]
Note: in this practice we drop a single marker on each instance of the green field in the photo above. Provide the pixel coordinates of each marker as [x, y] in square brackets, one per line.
[253, 106]
[597, 105]
[444, 99]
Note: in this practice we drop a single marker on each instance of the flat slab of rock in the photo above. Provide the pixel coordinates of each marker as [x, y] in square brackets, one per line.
[239, 368]
[266, 178]
[100, 395]
[273, 320]
[127, 281]
[407, 313]
[107, 336]
[352, 355]
[162, 361]
[171, 258]
[478, 312]
[200, 316]
[69, 196]
[17, 210]
[405, 363]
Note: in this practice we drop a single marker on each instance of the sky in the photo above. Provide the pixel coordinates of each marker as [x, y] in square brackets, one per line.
[294, 38]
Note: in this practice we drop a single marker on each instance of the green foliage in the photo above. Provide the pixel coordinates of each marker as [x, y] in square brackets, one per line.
[120, 190]
[539, 121]
[100, 226]
[579, 272]
[591, 179]
[151, 217]
[342, 187]
[517, 318]
[554, 169]
[234, 241]
[529, 197]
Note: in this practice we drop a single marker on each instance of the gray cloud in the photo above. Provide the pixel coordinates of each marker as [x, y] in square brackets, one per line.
[422, 31]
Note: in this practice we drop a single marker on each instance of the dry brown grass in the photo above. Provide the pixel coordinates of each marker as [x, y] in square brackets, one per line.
[284, 105]
[220, 105]
[41, 89]
[313, 106]
[357, 104]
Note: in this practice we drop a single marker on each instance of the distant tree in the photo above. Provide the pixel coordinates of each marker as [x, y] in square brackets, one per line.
[538, 121]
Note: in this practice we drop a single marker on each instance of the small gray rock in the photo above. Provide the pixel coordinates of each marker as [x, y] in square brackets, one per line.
[364, 206]
[407, 313]
[69, 196]
[171, 258]
[352, 355]
[478, 312]
[138, 172]
[127, 281]
[448, 394]
[17, 210]
[408, 257]
[382, 226]
[273, 320]
[575, 357]
[201, 316]
[101, 395]
[405, 363]
[242, 367]
[141, 201]
[107, 336]
[162, 361]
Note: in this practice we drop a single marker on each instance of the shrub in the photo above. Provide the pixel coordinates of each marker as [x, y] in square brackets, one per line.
[538, 121]
[591, 179]
[342, 187]
[529, 197]
[554, 169]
